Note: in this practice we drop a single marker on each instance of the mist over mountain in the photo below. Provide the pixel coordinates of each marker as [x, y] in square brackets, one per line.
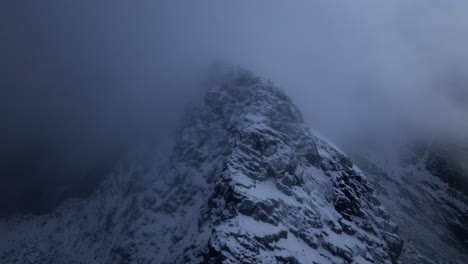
[85, 85]
[246, 180]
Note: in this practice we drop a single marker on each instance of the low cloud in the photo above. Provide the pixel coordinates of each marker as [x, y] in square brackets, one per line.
[82, 81]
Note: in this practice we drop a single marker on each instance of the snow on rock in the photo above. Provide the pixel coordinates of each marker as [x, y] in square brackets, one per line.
[432, 216]
[247, 182]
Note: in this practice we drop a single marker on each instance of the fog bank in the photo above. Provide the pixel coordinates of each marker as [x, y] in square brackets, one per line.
[84, 81]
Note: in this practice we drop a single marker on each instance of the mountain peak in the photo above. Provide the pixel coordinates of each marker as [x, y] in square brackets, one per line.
[247, 182]
[276, 189]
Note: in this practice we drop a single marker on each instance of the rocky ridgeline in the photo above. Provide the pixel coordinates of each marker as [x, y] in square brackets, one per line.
[247, 182]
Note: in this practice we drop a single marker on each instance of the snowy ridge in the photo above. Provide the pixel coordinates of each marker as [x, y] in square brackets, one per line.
[432, 215]
[247, 182]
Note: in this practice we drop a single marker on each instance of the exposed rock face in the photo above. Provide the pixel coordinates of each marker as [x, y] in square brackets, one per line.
[247, 182]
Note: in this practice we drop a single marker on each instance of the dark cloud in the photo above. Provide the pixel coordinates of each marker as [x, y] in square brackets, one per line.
[82, 81]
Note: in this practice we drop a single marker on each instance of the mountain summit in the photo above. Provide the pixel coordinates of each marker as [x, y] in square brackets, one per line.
[246, 182]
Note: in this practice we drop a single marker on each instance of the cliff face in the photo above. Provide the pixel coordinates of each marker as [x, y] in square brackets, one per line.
[246, 182]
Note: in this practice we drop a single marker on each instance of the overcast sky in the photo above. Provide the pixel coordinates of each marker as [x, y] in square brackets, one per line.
[82, 80]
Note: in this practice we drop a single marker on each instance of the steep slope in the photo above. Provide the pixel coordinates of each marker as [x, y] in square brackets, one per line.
[432, 215]
[247, 182]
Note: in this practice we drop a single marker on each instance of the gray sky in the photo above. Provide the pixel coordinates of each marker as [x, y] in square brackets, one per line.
[82, 80]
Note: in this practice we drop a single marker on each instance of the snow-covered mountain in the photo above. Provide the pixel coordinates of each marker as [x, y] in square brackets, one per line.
[246, 182]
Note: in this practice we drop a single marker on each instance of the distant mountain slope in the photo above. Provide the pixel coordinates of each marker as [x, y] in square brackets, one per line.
[431, 213]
